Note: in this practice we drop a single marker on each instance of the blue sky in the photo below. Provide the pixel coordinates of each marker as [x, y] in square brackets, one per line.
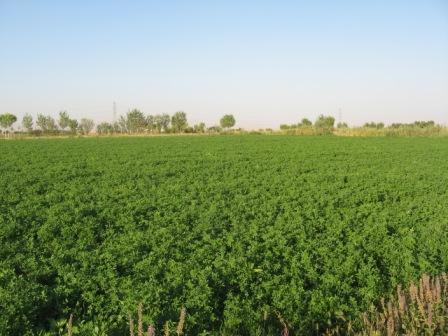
[267, 62]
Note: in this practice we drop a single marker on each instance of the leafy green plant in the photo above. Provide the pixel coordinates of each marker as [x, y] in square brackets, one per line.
[229, 227]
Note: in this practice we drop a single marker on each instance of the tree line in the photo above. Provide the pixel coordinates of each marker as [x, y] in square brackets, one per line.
[323, 123]
[133, 122]
[328, 123]
[136, 122]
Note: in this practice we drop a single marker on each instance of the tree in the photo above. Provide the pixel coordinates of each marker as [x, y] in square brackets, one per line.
[179, 121]
[425, 124]
[342, 125]
[64, 120]
[199, 128]
[105, 128]
[158, 123]
[135, 121]
[165, 122]
[73, 125]
[116, 127]
[162, 122]
[305, 122]
[46, 123]
[27, 122]
[86, 125]
[122, 124]
[6, 120]
[325, 123]
[372, 124]
[227, 121]
[150, 123]
[214, 129]
[41, 122]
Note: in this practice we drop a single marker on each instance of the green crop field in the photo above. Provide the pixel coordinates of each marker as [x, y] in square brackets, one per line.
[239, 230]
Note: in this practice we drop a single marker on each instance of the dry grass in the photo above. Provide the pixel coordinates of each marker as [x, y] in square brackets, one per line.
[392, 132]
[151, 331]
[422, 309]
[70, 325]
[285, 329]
[180, 325]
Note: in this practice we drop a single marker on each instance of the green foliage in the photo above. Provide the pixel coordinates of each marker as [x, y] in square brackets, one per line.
[73, 125]
[235, 229]
[415, 124]
[86, 125]
[214, 129]
[372, 124]
[199, 128]
[425, 124]
[179, 122]
[27, 122]
[105, 128]
[305, 123]
[227, 121]
[64, 120]
[419, 310]
[162, 122]
[46, 123]
[324, 122]
[7, 120]
[342, 125]
[135, 121]
[151, 123]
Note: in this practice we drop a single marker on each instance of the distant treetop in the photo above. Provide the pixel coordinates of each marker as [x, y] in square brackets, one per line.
[227, 121]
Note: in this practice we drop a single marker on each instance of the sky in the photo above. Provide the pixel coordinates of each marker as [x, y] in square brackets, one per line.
[265, 62]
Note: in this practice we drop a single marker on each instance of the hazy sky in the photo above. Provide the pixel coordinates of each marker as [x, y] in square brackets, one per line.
[267, 62]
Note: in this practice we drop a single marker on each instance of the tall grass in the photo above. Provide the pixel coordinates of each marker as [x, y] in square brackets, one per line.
[151, 331]
[421, 309]
[404, 131]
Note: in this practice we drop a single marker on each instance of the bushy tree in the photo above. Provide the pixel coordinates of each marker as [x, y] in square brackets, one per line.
[105, 128]
[162, 122]
[199, 128]
[7, 120]
[73, 126]
[342, 125]
[165, 122]
[372, 124]
[227, 121]
[64, 120]
[46, 123]
[135, 121]
[116, 127]
[425, 124]
[305, 122]
[396, 125]
[150, 123]
[27, 122]
[158, 123]
[214, 129]
[86, 125]
[325, 123]
[179, 122]
[123, 124]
